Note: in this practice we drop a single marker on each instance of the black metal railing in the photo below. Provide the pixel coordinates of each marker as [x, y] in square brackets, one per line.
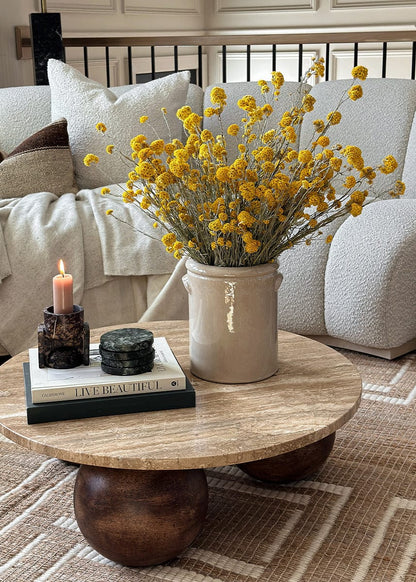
[273, 42]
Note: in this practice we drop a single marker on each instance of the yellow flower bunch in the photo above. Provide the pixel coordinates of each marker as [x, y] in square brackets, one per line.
[247, 211]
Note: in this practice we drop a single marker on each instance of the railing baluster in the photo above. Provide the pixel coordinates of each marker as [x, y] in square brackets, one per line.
[300, 62]
[224, 63]
[274, 57]
[107, 65]
[384, 64]
[413, 71]
[327, 58]
[176, 58]
[200, 65]
[248, 62]
[130, 65]
[153, 62]
[86, 61]
[355, 54]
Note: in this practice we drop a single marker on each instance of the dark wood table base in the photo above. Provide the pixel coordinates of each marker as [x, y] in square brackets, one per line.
[292, 466]
[142, 518]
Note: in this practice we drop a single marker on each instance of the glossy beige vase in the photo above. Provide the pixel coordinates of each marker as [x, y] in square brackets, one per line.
[232, 321]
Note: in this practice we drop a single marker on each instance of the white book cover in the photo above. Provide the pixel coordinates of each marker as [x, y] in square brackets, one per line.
[52, 384]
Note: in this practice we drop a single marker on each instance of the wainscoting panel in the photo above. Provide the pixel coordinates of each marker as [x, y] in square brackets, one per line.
[399, 62]
[261, 65]
[149, 6]
[82, 5]
[264, 5]
[371, 3]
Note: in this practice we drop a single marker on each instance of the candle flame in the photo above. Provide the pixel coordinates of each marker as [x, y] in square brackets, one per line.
[62, 267]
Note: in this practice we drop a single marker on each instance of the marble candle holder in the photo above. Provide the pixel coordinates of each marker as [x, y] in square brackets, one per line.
[63, 339]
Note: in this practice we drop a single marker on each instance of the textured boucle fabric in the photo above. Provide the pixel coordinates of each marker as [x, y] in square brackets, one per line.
[409, 173]
[301, 302]
[289, 96]
[194, 97]
[23, 111]
[370, 281]
[379, 123]
[84, 103]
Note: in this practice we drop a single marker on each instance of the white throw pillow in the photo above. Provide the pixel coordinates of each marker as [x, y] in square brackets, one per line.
[84, 103]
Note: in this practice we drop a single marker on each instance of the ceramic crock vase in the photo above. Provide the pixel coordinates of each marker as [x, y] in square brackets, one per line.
[232, 321]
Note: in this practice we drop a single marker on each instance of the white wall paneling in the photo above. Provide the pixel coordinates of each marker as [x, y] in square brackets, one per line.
[371, 3]
[261, 64]
[81, 5]
[264, 5]
[175, 6]
[398, 64]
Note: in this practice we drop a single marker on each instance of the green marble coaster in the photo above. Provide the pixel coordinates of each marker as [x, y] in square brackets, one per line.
[127, 339]
[131, 363]
[126, 371]
[107, 355]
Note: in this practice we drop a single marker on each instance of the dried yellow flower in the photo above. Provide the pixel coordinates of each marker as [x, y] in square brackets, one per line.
[356, 92]
[247, 209]
[91, 159]
[359, 72]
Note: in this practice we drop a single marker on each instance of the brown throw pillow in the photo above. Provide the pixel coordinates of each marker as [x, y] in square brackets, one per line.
[41, 163]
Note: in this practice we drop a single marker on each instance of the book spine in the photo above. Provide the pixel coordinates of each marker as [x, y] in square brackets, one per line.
[40, 395]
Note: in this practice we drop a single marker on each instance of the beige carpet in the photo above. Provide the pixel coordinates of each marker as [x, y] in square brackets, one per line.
[355, 521]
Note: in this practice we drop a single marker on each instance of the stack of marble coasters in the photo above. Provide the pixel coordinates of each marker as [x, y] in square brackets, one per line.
[127, 351]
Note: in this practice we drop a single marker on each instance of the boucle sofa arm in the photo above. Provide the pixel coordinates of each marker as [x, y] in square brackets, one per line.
[370, 280]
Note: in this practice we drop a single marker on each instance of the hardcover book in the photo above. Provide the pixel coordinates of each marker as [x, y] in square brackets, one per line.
[86, 408]
[86, 382]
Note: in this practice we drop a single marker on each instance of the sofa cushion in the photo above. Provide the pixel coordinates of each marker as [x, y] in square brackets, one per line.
[379, 123]
[370, 277]
[194, 99]
[23, 111]
[84, 103]
[41, 163]
[301, 297]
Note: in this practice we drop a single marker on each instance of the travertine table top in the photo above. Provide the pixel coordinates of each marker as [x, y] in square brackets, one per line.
[315, 391]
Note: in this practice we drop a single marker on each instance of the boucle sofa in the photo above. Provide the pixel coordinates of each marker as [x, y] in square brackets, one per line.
[357, 292]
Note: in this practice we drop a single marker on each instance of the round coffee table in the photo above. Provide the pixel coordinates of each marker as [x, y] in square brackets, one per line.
[141, 493]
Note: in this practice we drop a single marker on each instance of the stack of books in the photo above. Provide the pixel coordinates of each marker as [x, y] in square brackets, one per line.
[86, 391]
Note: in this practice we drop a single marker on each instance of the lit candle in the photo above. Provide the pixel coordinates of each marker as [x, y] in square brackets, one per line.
[62, 291]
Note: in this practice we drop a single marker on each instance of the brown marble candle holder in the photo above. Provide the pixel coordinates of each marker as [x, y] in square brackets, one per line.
[63, 339]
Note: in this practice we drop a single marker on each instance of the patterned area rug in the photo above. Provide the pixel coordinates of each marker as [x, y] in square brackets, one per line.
[355, 521]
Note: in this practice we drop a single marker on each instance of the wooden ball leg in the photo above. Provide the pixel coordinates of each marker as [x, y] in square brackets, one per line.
[140, 518]
[292, 466]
